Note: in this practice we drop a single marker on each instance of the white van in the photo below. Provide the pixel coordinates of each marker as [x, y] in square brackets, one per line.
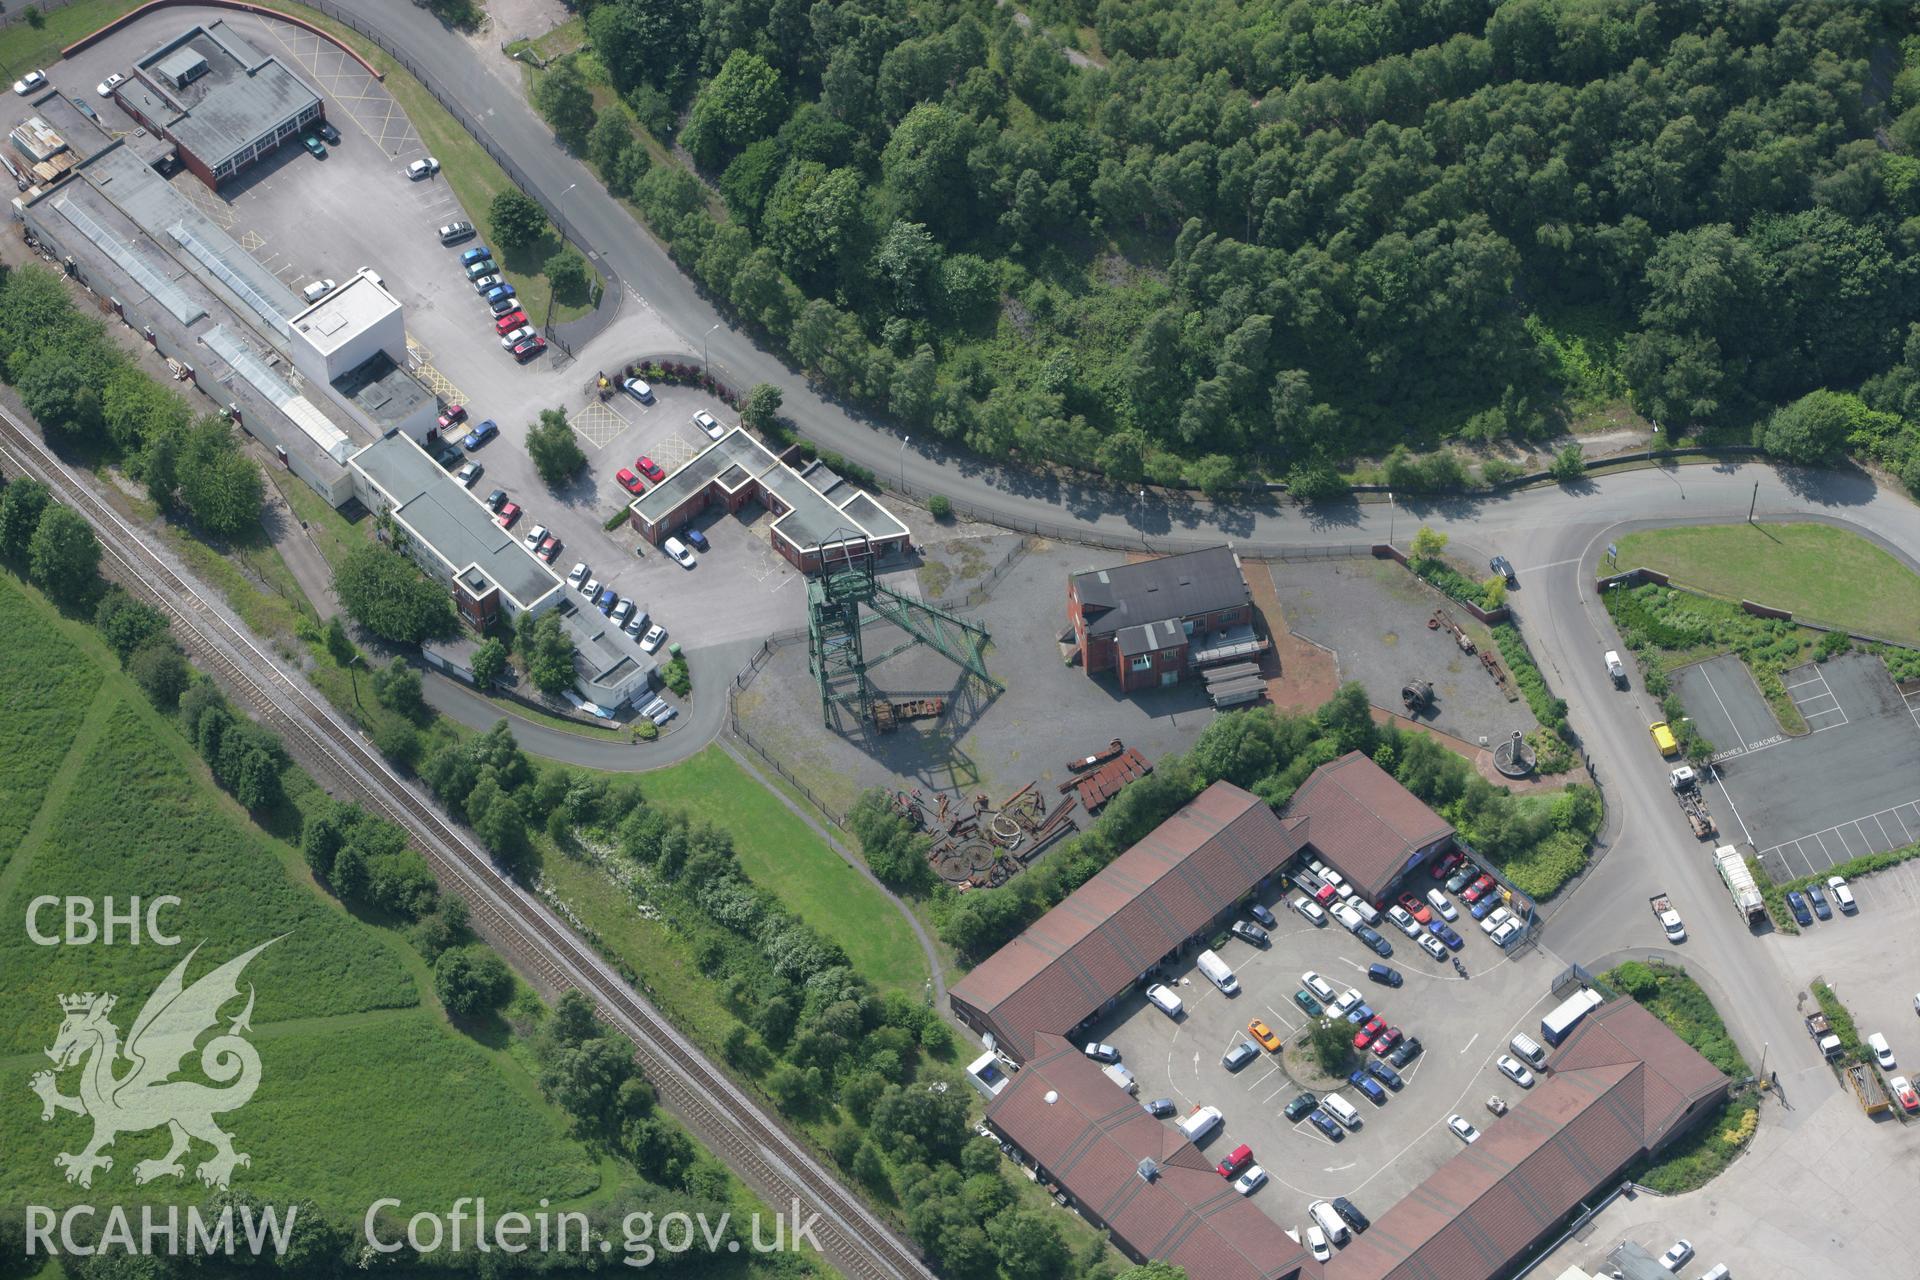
[1719, 1272]
[1363, 908]
[1347, 916]
[1527, 1048]
[1121, 1076]
[1328, 1221]
[1163, 999]
[1199, 1123]
[1340, 1109]
[1218, 973]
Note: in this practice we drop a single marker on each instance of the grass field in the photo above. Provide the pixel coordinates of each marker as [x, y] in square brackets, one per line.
[49, 688]
[366, 1089]
[1821, 573]
[782, 854]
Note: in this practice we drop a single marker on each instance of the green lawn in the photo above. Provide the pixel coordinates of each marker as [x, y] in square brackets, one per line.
[24, 47]
[1821, 573]
[782, 854]
[49, 688]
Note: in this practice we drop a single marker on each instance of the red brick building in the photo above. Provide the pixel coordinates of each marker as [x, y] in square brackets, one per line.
[1152, 622]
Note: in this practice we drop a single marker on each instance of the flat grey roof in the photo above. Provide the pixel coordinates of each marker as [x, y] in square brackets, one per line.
[812, 517]
[451, 520]
[384, 391]
[601, 659]
[240, 113]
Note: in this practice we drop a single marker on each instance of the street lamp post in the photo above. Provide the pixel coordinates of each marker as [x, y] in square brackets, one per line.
[903, 462]
[706, 370]
[1393, 515]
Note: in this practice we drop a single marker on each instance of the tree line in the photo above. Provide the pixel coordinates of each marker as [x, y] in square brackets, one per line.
[1262, 239]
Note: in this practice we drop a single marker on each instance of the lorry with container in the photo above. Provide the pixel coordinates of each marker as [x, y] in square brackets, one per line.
[1669, 919]
[1740, 883]
[1685, 782]
[1563, 1017]
[1616, 669]
[1821, 1031]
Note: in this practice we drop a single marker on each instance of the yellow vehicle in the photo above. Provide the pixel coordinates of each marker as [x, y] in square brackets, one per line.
[1264, 1034]
[1663, 738]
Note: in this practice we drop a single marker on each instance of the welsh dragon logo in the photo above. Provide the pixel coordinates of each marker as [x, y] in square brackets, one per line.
[145, 1096]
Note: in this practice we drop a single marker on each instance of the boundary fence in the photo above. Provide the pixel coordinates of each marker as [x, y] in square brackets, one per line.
[744, 677]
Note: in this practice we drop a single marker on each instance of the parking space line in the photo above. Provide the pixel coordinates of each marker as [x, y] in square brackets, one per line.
[1903, 822]
[1891, 842]
[1731, 723]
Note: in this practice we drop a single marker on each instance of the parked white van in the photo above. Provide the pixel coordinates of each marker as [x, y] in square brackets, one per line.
[1525, 1047]
[1200, 1122]
[1218, 973]
[1363, 908]
[1328, 1221]
[1121, 1076]
[1163, 999]
[1340, 1109]
[1347, 916]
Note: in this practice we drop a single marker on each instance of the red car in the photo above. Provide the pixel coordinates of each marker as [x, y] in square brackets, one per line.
[549, 548]
[507, 323]
[1478, 889]
[529, 349]
[1388, 1038]
[455, 413]
[1239, 1158]
[1448, 861]
[1364, 1036]
[508, 514]
[1325, 894]
[629, 481]
[1416, 908]
[650, 469]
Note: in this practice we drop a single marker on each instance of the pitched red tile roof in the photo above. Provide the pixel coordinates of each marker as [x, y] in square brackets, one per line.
[1090, 1137]
[1364, 823]
[1144, 904]
[1602, 1106]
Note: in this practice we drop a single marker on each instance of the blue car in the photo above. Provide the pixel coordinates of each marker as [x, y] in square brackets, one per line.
[608, 598]
[1445, 933]
[499, 293]
[1481, 908]
[481, 434]
[1261, 914]
[1383, 1073]
[1324, 1123]
[698, 541]
[1359, 1014]
[1798, 905]
[1381, 947]
[1366, 1084]
[475, 254]
[1819, 900]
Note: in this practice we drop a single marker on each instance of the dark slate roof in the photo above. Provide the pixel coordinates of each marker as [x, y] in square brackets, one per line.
[1091, 1136]
[1600, 1108]
[1364, 822]
[1175, 587]
[1116, 926]
[1150, 637]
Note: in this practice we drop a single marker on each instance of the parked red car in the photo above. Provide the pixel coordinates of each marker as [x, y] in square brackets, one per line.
[1388, 1038]
[1364, 1036]
[1448, 861]
[650, 469]
[1416, 908]
[1237, 1159]
[1478, 889]
[629, 481]
[1325, 894]
[508, 514]
[455, 413]
[549, 548]
[509, 322]
[529, 349]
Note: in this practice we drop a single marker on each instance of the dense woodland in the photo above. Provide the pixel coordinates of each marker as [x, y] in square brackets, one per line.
[1284, 233]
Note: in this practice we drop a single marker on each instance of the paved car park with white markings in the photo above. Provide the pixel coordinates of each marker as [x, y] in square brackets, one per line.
[1463, 1025]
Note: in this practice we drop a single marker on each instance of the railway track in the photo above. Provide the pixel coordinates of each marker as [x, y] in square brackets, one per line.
[754, 1144]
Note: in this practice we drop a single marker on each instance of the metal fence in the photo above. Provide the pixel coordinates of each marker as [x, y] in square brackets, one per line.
[741, 680]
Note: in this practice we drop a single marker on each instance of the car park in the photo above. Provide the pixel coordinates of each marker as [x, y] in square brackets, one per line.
[1160, 1108]
[1296, 1110]
[678, 551]
[1367, 1085]
[1262, 916]
[1441, 904]
[328, 134]
[1248, 931]
[455, 232]
[1798, 905]
[1379, 1070]
[530, 348]
[1433, 946]
[1321, 988]
[496, 499]
[316, 148]
[1236, 1160]
[1842, 895]
[1251, 1181]
[468, 473]
[1310, 911]
[1677, 1255]
[1416, 908]
[650, 642]
[708, 423]
[1355, 1219]
[481, 434]
[1384, 974]
[1101, 1052]
[1461, 1129]
[1383, 1045]
[1512, 1068]
[1405, 1052]
[1308, 1005]
[515, 319]
[1819, 900]
[1403, 922]
[27, 83]
[1324, 1123]
[106, 87]
[1368, 1030]
[509, 512]
[423, 168]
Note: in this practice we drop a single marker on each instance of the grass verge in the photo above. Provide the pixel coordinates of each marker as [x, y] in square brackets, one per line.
[1825, 574]
[1671, 995]
[1698, 1158]
[1668, 628]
